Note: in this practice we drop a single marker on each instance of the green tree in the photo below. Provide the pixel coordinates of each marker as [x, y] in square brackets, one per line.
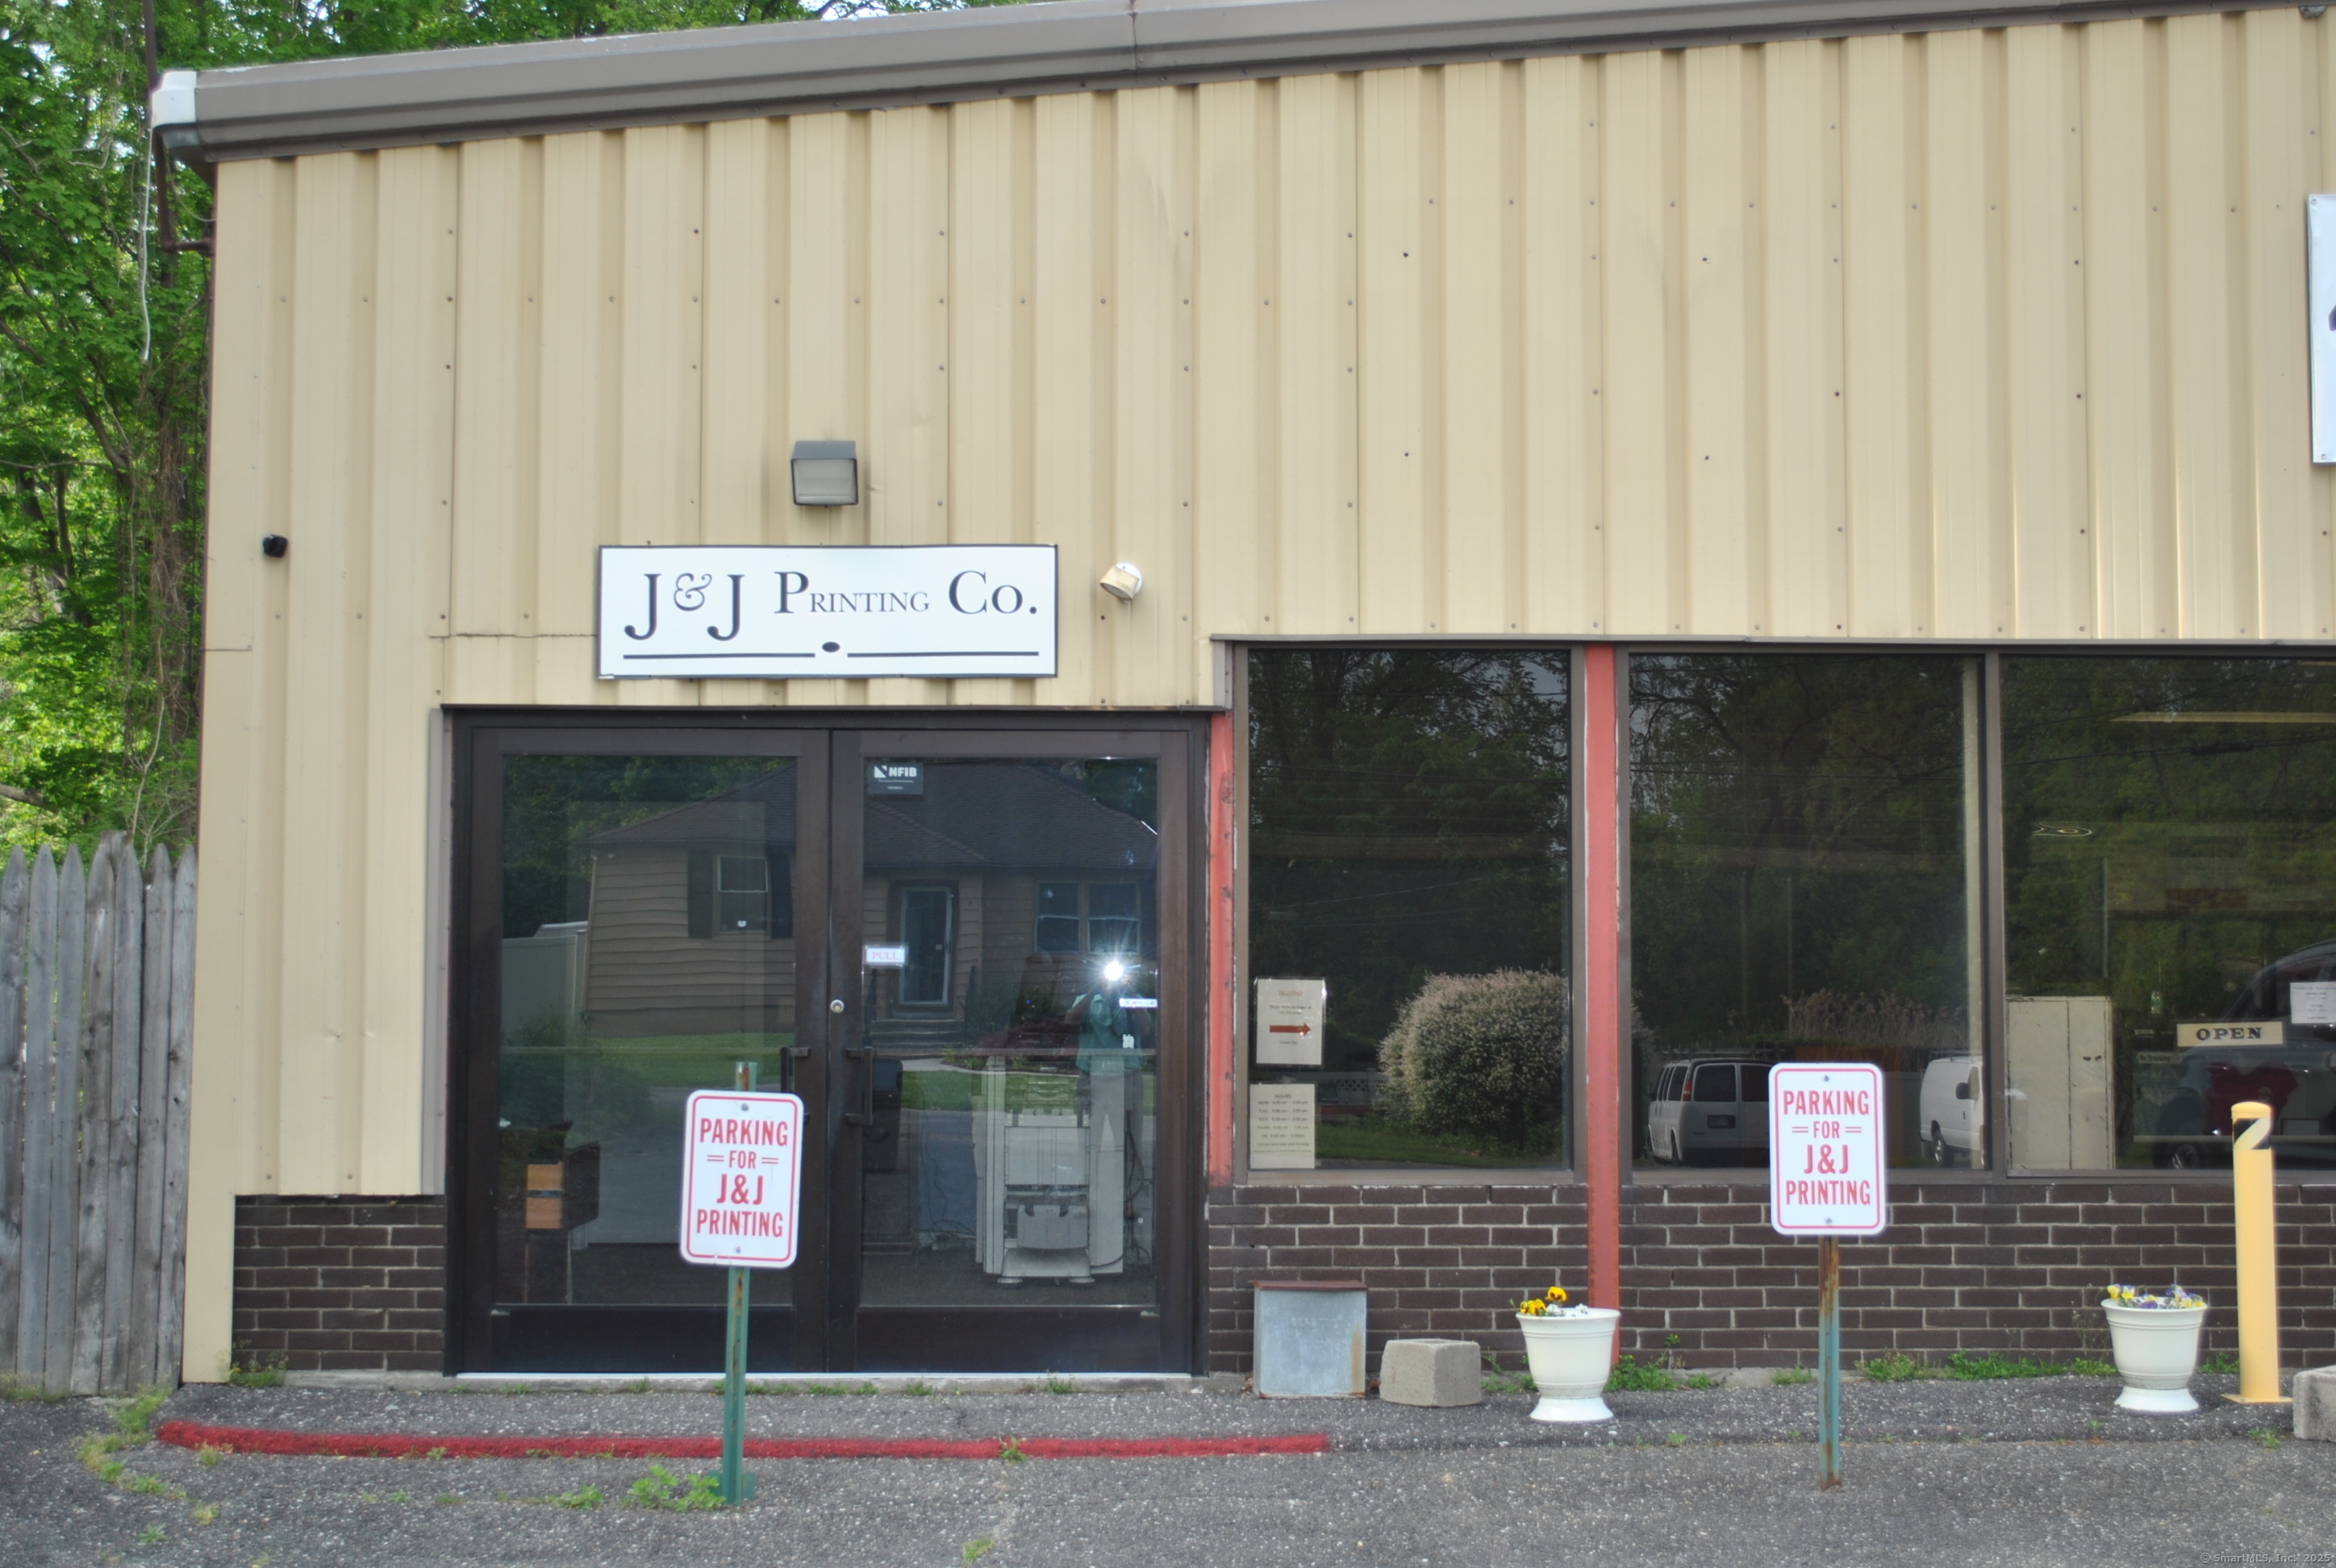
[104, 364]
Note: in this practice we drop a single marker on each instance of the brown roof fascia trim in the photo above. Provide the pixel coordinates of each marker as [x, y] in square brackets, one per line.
[1065, 46]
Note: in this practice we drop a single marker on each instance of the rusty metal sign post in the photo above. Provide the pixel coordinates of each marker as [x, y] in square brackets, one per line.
[1828, 1179]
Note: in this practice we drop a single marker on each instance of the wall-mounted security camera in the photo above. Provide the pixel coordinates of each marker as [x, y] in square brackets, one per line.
[1122, 582]
[274, 545]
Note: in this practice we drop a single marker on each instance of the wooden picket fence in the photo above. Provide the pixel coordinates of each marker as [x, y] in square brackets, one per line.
[96, 993]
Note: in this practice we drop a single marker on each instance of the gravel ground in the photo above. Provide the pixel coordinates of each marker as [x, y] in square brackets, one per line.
[2029, 1409]
[2005, 1472]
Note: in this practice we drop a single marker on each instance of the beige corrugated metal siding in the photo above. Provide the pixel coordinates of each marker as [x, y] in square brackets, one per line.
[1992, 334]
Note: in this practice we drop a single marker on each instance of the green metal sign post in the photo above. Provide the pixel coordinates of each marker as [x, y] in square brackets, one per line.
[737, 1485]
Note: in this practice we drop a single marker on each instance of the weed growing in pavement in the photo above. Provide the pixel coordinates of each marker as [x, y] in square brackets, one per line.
[1701, 1380]
[439, 1453]
[867, 1389]
[150, 1536]
[1786, 1377]
[978, 1548]
[1061, 1385]
[154, 1487]
[130, 1424]
[661, 1488]
[587, 1496]
[447, 1499]
[774, 1388]
[205, 1514]
[207, 1456]
[1499, 1379]
[401, 1496]
[12, 1388]
[1965, 1367]
[516, 1388]
[1010, 1452]
[2084, 1366]
[1633, 1376]
[917, 1387]
[1677, 1439]
[638, 1386]
[2264, 1437]
[829, 1390]
[2226, 1364]
[248, 1369]
[1894, 1366]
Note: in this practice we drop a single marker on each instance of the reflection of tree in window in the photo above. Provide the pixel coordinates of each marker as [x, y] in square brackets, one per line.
[1408, 845]
[2168, 850]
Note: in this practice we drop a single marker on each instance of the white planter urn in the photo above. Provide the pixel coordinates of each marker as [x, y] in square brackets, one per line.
[2157, 1350]
[1571, 1359]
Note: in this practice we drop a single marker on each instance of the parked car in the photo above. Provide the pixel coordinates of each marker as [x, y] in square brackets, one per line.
[1709, 1111]
[1955, 1110]
[2296, 1077]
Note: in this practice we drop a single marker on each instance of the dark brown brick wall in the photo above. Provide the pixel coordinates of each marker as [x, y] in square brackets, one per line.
[1978, 1267]
[341, 1285]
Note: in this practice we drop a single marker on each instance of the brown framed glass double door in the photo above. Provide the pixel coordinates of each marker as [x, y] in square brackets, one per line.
[964, 945]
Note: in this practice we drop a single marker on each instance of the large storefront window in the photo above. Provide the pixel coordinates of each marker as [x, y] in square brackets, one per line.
[2170, 867]
[1409, 902]
[1804, 887]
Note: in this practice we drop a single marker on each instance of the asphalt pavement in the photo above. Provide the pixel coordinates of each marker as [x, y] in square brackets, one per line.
[2040, 1471]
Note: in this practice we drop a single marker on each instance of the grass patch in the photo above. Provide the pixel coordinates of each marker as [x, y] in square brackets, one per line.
[917, 1389]
[1633, 1376]
[129, 1431]
[2224, 1365]
[1059, 1386]
[867, 1389]
[1381, 1141]
[1787, 1376]
[14, 1389]
[1965, 1367]
[2084, 1368]
[1893, 1366]
[662, 1489]
[978, 1548]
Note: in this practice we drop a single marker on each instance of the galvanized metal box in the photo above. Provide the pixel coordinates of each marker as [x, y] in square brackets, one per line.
[1309, 1338]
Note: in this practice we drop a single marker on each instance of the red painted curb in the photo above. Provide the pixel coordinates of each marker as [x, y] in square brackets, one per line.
[406, 1445]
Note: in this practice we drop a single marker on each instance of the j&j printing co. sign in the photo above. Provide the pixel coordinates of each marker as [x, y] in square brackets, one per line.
[780, 611]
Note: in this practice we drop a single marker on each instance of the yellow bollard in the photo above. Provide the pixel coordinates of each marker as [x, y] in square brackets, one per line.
[2252, 1206]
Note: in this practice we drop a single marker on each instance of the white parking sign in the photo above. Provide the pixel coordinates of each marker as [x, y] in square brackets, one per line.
[1826, 1175]
[741, 1179]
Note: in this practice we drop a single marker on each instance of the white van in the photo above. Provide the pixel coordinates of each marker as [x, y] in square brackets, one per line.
[1955, 1111]
[1709, 1111]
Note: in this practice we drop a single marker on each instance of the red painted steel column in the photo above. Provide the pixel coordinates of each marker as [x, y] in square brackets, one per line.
[1602, 877]
[1225, 985]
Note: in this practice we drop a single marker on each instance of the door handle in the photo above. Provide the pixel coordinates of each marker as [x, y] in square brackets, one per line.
[866, 1115]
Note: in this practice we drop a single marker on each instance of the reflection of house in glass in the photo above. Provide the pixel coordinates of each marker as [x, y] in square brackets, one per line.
[1002, 881]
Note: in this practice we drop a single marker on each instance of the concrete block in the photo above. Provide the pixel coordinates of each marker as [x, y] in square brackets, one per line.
[1439, 1372]
[2316, 1404]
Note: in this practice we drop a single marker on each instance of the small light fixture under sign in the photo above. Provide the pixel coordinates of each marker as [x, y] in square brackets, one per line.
[826, 473]
[1122, 582]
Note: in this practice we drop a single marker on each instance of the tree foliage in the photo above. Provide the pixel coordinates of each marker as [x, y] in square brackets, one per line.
[104, 368]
